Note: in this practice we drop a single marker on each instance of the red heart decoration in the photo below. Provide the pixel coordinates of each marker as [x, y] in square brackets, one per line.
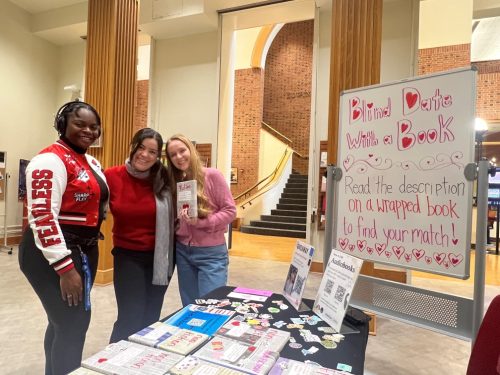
[369, 105]
[343, 242]
[421, 136]
[411, 99]
[351, 247]
[354, 102]
[455, 241]
[404, 126]
[388, 254]
[455, 259]
[407, 142]
[418, 253]
[432, 134]
[361, 245]
[380, 247]
[398, 250]
[428, 260]
[369, 250]
[408, 258]
[439, 257]
[355, 114]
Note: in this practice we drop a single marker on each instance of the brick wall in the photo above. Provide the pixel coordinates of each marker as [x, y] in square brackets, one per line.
[439, 59]
[287, 91]
[248, 104]
[141, 107]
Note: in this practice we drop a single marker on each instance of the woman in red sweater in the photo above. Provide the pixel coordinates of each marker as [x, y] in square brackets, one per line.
[141, 204]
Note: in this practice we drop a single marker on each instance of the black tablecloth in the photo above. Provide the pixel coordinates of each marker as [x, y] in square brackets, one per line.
[350, 351]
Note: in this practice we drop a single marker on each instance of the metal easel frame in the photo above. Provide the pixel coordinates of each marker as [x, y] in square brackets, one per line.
[4, 245]
[444, 313]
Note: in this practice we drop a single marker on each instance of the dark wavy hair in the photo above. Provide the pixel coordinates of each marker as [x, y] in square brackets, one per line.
[158, 173]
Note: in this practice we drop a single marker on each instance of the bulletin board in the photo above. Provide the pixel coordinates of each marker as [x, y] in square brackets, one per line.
[403, 198]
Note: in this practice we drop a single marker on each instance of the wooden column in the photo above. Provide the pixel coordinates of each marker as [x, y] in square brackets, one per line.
[110, 81]
[355, 62]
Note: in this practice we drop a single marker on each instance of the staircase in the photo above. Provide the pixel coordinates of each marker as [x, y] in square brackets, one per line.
[290, 216]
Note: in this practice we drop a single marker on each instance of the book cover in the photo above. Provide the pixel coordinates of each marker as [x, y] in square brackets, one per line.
[197, 366]
[285, 366]
[183, 342]
[154, 334]
[202, 319]
[129, 358]
[241, 356]
[237, 329]
[187, 197]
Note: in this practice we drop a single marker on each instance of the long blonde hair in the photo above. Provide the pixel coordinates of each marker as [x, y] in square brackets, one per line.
[194, 172]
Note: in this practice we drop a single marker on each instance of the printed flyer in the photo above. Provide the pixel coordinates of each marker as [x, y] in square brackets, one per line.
[297, 273]
[336, 288]
[187, 197]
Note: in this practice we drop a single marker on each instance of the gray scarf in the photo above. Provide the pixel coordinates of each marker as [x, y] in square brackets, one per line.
[163, 265]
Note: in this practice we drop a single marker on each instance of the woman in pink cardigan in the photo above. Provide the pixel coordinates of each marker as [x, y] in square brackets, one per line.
[202, 257]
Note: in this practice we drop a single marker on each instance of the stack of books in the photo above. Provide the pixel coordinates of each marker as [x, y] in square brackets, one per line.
[195, 366]
[285, 366]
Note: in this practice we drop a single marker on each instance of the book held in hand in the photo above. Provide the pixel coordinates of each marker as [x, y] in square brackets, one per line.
[129, 358]
[167, 337]
[202, 319]
[187, 197]
[197, 366]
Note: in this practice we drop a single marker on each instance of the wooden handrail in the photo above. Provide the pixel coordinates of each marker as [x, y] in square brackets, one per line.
[270, 176]
[277, 132]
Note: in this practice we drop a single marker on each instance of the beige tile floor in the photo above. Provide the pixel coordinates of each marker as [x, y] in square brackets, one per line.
[397, 348]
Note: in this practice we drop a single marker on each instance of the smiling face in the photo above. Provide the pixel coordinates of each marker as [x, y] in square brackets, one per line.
[82, 128]
[145, 155]
[179, 155]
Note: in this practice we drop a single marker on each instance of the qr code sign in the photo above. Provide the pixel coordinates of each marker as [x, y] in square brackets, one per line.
[339, 294]
[328, 286]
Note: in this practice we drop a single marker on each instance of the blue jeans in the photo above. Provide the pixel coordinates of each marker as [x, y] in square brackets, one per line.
[200, 270]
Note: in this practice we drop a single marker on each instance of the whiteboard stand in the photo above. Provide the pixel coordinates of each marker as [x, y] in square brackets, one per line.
[4, 246]
[333, 174]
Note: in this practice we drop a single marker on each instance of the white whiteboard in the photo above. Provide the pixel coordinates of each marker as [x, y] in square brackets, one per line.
[403, 198]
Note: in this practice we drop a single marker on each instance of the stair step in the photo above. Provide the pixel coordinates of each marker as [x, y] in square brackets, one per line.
[286, 219]
[297, 177]
[287, 190]
[273, 232]
[294, 195]
[301, 185]
[292, 201]
[289, 213]
[277, 225]
[292, 206]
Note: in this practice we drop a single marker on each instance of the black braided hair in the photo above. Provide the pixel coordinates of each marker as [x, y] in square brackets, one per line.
[61, 119]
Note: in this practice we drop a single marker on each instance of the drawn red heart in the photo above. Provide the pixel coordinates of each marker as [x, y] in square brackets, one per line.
[408, 258]
[424, 104]
[361, 245]
[421, 136]
[439, 257]
[369, 250]
[101, 360]
[369, 105]
[447, 98]
[432, 134]
[355, 114]
[348, 162]
[398, 250]
[354, 102]
[386, 112]
[380, 247]
[351, 247]
[404, 126]
[445, 264]
[418, 253]
[407, 142]
[411, 99]
[428, 260]
[455, 259]
[388, 254]
[388, 139]
[343, 242]
[370, 155]
[455, 241]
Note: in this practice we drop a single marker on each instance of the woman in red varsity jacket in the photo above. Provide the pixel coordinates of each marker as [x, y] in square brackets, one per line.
[67, 196]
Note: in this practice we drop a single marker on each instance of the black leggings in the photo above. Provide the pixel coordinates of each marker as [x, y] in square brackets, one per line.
[139, 301]
[67, 326]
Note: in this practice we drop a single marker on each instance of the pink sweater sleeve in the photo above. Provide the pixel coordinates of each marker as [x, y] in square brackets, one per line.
[221, 199]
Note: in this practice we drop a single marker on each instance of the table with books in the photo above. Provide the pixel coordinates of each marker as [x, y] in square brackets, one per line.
[233, 332]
